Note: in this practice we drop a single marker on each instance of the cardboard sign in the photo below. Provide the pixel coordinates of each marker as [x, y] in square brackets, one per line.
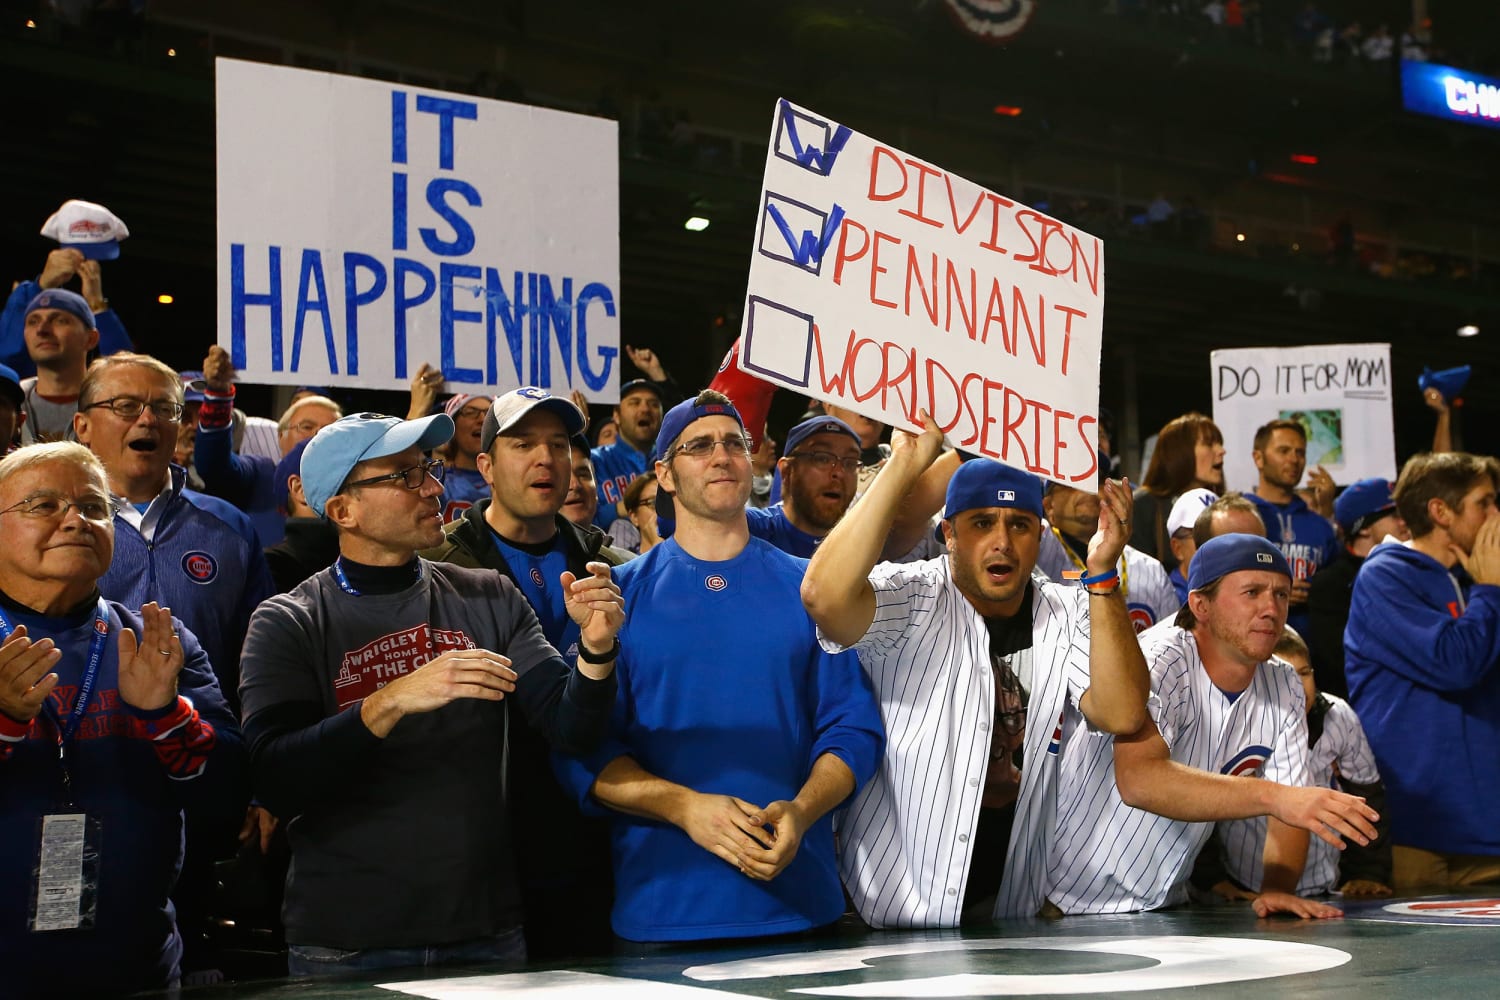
[368, 227]
[887, 285]
[1340, 393]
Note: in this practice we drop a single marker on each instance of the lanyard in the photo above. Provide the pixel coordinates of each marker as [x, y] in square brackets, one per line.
[1083, 567]
[342, 579]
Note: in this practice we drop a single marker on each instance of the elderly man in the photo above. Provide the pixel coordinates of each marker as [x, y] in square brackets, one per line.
[955, 827]
[103, 740]
[373, 706]
[734, 735]
[518, 529]
[1227, 740]
[182, 549]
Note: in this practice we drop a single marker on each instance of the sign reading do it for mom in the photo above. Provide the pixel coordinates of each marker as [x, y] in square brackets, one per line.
[366, 228]
[887, 285]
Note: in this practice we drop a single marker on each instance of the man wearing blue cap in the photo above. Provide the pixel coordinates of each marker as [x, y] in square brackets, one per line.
[819, 475]
[975, 664]
[61, 267]
[638, 416]
[734, 735]
[1227, 739]
[1366, 514]
[372, 698]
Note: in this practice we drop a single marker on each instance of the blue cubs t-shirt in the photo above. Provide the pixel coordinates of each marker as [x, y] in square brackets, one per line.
[538, 570]
[462, 489]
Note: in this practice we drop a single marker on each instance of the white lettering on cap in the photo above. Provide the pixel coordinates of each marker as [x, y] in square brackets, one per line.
[1005, 496]
[1264, 557]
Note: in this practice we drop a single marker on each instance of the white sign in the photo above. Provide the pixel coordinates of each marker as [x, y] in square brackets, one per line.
[368, 227]
[884, 284]
[1339, 393]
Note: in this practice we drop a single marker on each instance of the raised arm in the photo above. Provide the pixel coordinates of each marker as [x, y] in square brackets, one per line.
[836, 589]
[1119, 682]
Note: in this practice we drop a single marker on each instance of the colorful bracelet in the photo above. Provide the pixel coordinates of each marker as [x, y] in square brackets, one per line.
[1112, 575]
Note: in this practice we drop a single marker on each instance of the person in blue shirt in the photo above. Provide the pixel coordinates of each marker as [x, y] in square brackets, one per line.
[638, 417]
[463, 483]
[734, 733]
[1306, 537]
[62, 266]
[819, 475]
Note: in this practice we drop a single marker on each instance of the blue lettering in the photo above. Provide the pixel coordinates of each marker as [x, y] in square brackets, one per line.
[404, 303]
[594, 290]
[398, 126]
[559, 313]
[398, 212]
[499, 307]
[448, 316]
[463, 241]
[312, 273]
[446, 109]
[354, 298]
[239, 300]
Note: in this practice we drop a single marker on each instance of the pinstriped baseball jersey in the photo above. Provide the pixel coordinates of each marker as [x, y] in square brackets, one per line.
[1149, 593]
[906, 837]
[1341, 752]
[1110, 858]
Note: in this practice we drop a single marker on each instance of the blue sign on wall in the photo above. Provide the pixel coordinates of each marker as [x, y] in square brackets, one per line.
[1453, 94]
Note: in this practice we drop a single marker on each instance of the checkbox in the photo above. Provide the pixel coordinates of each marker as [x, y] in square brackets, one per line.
[807, 141]
[778, 342]
[793, 233]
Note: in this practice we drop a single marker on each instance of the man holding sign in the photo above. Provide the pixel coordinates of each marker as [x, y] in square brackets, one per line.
[923, 842]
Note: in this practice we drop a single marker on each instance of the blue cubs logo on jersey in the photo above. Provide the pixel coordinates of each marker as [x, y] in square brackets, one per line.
[1247, 761]
[200, 567]
[536, 577]
[716, 583]
[1141, 616]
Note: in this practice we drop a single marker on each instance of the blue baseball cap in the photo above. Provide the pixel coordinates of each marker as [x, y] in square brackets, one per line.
[639, 383]
[684, 413]
[1225, 554]
[336, 449]
[1362, 503]
[68, 302]
[818, 425]
[290, 462]
[10, 385]
[984, 482]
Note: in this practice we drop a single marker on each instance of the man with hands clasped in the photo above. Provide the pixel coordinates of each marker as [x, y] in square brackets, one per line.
[956, 824]
[734, 735]
[103, 741]
[375, 701]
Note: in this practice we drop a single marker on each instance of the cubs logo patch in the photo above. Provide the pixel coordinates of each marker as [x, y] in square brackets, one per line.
[716, 583]
[101, 626]
[1141, 617]
[536, 577]
[725, 363]
[1247, 761]
[532, 392]
[1478, 912]
[200, 567]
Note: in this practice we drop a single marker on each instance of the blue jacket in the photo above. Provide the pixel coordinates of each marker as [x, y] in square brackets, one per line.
[112, 335]
[615, 465]
[133, 773]
[202, 560]
[1422, 654]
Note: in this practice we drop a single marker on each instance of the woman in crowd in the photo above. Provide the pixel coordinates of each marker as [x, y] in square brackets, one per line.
[1189, 453]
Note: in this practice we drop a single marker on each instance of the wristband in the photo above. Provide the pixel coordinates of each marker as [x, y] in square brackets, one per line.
[1110, 576]
[608, 656]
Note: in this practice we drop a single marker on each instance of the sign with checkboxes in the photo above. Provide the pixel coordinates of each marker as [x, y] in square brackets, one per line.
[890, 286]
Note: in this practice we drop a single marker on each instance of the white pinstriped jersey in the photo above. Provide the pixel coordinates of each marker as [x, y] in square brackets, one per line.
[1341, 752]
[1149, 594]
[1107, 857]
[906, 838]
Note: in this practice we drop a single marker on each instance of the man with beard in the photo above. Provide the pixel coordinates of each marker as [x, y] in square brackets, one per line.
[974, 664]
[1305, 536]
[1072, 518]
[638, 417]
[734, 735]
[819, 474]
[1227, 739]
[518, 530]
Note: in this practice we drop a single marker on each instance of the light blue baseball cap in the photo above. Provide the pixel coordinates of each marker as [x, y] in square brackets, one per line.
[336, 449]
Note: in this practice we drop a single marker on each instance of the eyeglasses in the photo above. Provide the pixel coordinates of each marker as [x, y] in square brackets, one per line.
[472, 413]
[703, 447]
[130, 408]
[644, 501]
[412, 477]
[54, 507]
[307, 427]
[827, 460]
